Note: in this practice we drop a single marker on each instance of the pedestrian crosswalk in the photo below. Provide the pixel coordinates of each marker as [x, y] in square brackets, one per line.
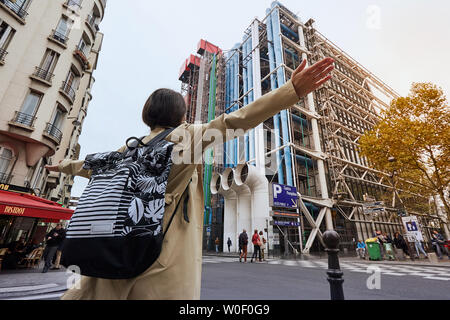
[426, 272]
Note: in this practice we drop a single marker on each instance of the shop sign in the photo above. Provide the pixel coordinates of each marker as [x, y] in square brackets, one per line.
[13, 211]
[13, 188]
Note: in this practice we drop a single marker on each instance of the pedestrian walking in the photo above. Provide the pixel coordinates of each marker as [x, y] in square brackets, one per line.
[256, 240]
[58, 255]
[361, 249]
[217, 242]
[438, 241]
[243, 243]
[229, 243]
[54, 240]
[419, 246]
[176, 274]
[263, 245]
[381, 241]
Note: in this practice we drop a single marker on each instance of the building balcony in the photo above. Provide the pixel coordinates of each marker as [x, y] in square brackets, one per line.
[53, 133]
[3, 54]
[72, 4]
[17, 11]
[43, 76]
[5, 178]
[23, 120]
[81, 56]
[59, 38]
[92, 25]
[68, 92]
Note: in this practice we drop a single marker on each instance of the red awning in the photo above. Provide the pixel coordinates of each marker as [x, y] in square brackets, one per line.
[25, 205]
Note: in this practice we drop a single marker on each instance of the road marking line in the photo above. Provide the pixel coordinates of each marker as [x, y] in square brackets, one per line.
[438, 278]
[394, 274]
[28, 288]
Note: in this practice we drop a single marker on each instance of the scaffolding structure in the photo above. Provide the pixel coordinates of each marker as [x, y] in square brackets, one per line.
[315, 143]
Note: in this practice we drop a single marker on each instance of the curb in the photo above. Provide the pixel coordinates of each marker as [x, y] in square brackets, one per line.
[19, 294]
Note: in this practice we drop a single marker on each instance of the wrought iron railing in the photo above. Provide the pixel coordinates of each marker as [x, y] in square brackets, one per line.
[72, 3]
[54, 132]
[5, 178]
[17, 9]
[91, 20]
[58, 36]
[24, 118]
[3, 54]
[68, 90]
[43, 74]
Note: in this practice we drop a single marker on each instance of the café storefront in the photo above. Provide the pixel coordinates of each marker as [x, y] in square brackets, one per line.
[27, 218]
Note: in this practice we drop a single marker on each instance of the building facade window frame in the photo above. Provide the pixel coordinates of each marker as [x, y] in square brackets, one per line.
[6, 34]
[7, 160]
[18, 9]
[44, 72]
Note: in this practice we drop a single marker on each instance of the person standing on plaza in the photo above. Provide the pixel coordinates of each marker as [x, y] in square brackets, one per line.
[361, 249]
[217, 242]
[229, 243]
[177, 273]
[418, 245]
[54, 240]
[400, 243]
[263, 245]
[381, 241]
[243, 243]
[256, 240]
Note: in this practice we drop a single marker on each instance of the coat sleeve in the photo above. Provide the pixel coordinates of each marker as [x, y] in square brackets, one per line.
[75, 167]
[249, 116]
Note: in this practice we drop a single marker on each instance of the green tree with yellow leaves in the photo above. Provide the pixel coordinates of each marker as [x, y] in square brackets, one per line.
[415, 131]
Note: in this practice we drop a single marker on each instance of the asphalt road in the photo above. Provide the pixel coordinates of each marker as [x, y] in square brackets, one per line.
[239, 281]
[227, 279]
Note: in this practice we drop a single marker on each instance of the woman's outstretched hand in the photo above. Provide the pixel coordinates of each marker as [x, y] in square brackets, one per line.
[52, 168]
[306, 80]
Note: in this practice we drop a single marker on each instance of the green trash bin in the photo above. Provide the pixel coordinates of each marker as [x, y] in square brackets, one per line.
[374, 251]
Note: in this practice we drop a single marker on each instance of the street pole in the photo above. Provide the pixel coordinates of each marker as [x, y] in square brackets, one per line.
[331, 240]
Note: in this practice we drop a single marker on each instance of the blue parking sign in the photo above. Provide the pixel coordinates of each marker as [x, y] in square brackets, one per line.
[283, 196]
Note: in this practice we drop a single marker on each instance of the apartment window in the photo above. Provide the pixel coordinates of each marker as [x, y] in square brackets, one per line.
[19, 7]
[6, 158]
[6, 34]
[84, 47]
[54, 127]
[47, 66]
[70, 86]
[74, 3]
[62, 30]
[27, 113]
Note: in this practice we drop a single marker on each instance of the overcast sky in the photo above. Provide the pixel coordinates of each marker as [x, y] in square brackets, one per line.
[146, 41]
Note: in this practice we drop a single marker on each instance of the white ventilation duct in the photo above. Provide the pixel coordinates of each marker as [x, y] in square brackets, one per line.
[230, 210]
[250, 176]
[244, 203]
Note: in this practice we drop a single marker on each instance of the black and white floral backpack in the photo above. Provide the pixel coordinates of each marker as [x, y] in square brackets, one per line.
[117, 231]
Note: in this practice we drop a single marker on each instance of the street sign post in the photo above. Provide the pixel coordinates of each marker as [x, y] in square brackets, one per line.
[412, 228]
[283, 196]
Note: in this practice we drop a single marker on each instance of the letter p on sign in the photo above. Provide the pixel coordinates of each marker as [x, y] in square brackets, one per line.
[277, 190]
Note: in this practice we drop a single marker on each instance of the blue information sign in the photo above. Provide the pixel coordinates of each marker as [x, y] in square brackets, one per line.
[283, 196]
[286, 223]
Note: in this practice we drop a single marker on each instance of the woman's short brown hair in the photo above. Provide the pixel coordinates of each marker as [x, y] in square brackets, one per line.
[164, 108]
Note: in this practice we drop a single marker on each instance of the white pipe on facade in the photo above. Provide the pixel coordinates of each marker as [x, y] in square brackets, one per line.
[230, 210]
[244, 203]
[250, 176]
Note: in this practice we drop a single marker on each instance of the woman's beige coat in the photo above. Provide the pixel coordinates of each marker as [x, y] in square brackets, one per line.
[176, 275]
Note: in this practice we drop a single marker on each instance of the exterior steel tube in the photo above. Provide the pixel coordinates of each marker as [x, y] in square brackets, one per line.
[230, 211]
[251, 99]
[276, 31]
[244, 202]
[246, 82]
[274, 86]
[258, 184]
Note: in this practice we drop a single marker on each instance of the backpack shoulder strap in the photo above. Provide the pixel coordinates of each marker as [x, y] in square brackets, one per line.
[138, 141]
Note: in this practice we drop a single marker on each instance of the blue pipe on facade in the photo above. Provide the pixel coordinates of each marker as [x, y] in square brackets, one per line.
[300, 120]
[236, 98]
[245, 81]
[288, 32]
[304, 161]
[251, 98]
[227, 105]
[274, 86]
[231, 147]
[276, 31]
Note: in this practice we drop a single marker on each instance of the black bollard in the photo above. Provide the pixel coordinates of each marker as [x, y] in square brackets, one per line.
[331, 239]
